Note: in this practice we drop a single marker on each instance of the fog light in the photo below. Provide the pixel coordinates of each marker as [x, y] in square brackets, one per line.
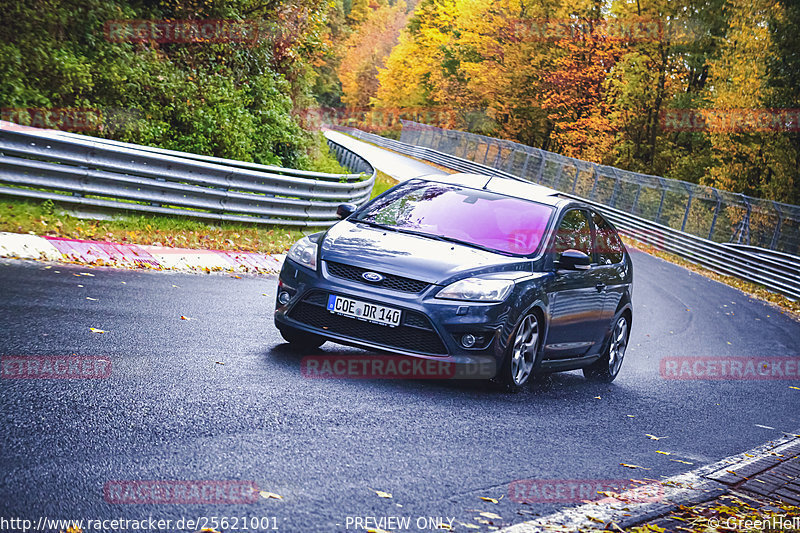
[284, 298]
[468, 340]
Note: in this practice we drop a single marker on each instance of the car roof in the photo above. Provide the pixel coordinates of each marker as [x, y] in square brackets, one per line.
[508, 187]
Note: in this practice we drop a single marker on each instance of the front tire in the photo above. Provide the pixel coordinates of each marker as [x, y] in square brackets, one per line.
[300, 340]
[521, 354]
[605, 369]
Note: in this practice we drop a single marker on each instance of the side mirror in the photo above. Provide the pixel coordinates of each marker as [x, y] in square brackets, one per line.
[574, 260]
[345, 210]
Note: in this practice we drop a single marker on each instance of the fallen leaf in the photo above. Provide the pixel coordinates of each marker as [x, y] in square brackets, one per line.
[633, 466]
[598, 397]
[185, 318]
[95, 330]
[382, 494]
[487, 499]
[795, 388]
[220, 363]
[270, 495]
[493, 516]
[663, 453]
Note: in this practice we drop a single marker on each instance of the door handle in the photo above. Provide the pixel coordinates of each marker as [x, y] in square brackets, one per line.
[600, 287]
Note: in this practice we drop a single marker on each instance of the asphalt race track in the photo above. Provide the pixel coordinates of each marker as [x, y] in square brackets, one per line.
[220, 397]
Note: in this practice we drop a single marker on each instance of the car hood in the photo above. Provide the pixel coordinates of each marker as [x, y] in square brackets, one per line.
[411, 256]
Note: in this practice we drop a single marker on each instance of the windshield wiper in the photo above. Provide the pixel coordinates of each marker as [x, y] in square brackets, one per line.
[470, 244]
[377, 225]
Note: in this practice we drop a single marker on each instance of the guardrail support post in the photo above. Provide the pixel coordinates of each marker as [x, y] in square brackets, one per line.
[542, 164]
[777, 234]
[612, 201]
[636, 199]
[511, 156]
[661, 204]
[594, 185]
[496, 162]
[716, 213]
[525, 165]
[486, 153]
[575, 181]
[688, 208]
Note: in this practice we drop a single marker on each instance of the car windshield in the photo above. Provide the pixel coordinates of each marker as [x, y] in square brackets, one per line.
[474, 217]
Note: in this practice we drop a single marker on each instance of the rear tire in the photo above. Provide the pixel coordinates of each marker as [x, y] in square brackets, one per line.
[300, 340]
[521, 354]
[606, 369]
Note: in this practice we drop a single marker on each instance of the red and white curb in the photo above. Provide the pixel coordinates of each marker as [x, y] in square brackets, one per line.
[20, 246]
[689, 488]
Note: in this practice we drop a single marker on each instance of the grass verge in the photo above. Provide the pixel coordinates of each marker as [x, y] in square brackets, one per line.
[383, 182]
[46, 218]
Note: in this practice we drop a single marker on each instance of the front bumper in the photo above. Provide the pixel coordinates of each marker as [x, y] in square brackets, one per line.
[430, 328]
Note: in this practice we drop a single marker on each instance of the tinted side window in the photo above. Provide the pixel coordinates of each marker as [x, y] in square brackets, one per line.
[607, 243]
[574, 233]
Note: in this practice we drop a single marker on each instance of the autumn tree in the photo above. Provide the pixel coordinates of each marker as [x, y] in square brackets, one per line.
[760, 161]
[365, 51]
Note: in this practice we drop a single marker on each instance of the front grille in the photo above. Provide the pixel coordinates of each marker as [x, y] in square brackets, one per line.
[390, 281]
[414, 334]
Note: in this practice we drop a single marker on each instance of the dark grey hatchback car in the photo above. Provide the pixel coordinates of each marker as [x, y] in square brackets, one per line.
[477, 271]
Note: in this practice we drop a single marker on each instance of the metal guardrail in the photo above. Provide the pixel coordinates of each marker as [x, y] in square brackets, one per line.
[83, 170]
[776, 271]
[702, 211]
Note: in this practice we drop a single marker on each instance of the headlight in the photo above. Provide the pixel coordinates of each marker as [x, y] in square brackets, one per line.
[477, 290]
[304, 252]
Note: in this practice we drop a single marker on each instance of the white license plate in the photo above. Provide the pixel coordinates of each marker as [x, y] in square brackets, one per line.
[377, 314]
